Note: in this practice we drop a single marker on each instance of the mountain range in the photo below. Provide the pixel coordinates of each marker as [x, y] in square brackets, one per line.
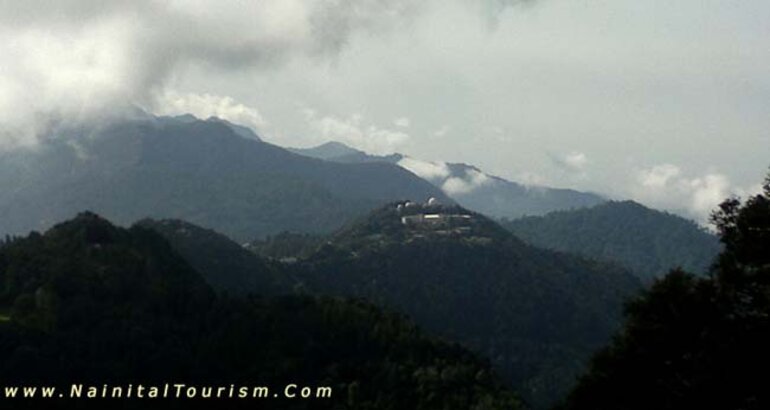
[204, 171]
[468, 185]
[537, 315]
[87, 302]
[223, 176]
[232, 226]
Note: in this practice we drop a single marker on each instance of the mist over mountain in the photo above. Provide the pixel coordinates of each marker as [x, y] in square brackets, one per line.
[468, 185]
[646, 241]
[536, 314]
[205, 172]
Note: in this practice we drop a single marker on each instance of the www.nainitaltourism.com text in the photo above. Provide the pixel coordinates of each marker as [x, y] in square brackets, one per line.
[168, 390]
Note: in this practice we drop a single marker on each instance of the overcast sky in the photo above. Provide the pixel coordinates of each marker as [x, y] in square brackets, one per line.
[666, 102]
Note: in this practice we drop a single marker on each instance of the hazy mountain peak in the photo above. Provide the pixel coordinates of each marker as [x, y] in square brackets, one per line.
[88, 227]
[328, 151]
[467, 184]
[240, 130]
[338, 147]
[186, 118]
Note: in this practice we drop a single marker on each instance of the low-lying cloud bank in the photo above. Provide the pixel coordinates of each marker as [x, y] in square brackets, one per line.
[461, 182]
[667, 186]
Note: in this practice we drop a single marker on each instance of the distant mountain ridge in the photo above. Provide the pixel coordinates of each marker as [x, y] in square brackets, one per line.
[339, 152]
[206, 172]
[648, 242]
[468, 185]
[330, 151]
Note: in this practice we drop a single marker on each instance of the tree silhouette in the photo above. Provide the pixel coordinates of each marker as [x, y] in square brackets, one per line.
[692, 342]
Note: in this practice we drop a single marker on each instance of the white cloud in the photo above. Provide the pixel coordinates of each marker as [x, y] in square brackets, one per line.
[435, 172]
[531, 179]
[472, 180]
[444, 130]
[48, 76]
[72, 60]
[576, 161]
[592, 77]
[667, 186]
[708, 192]
[402, 122]
[207, 105]
[658, 176]
[354, 132]
[441, 175]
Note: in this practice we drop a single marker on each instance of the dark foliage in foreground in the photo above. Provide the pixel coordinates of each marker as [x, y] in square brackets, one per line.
[693, 342]
[91, 303]
[223, 264]
[286, 246]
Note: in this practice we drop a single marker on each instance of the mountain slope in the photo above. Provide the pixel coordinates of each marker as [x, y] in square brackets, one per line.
[43, 276]
[286, 246]
[200, 171]
[648, 242]
[536, 314]
[91, 303]
[500, 198]
[468, 185]
[224, 264]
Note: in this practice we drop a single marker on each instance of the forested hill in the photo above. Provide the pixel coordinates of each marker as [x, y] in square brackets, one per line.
[647, 241]
[536, 314]
[224, 264]
[694, 342]
[87, 302]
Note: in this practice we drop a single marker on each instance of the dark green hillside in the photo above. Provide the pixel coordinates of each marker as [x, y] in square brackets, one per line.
[339, 152]
[691, 342]
[87, 302]
[224, 264]
[286, 245]
[87, 269]
[536, 314]
[647, 241]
